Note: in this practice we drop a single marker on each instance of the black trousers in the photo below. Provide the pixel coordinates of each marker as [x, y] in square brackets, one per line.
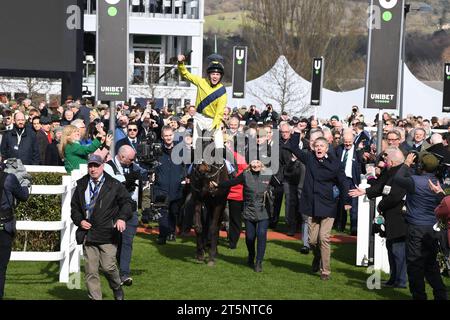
[6, 241]
[421, 252]
[277, 203]
[235, 227]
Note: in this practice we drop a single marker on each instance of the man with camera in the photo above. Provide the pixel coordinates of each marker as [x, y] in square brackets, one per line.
[269, 115]
[11, 190]
[252, 115]
[167, 184]
[391, 208]
[124, 169]
[421, 239]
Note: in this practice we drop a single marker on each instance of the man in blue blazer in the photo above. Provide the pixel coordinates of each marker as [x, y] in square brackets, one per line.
[319, 199]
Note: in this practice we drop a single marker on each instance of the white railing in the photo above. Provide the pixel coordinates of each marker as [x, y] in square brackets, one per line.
[365, 217]
[69, 253]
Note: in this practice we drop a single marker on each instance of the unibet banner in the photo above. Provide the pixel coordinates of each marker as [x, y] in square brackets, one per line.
[446, 104]
[317, 81]
[384, 54]
[112, 50]
[239, 71]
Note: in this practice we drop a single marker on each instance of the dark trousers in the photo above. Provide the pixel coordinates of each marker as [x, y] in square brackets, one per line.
[235, 217]
[421, 252]
[167, 223]
[290, 205]
[125, 249]
[187, 215]
[341, 220]
[277, 203]
[397, 261]
[6, 241]
[256, 232]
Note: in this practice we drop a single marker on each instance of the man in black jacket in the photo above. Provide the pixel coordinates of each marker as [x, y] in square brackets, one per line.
[319, 199]
[10, 190]
[100, 208]
[351, 159]
[20, 143]
[270, 115]
[391, 208]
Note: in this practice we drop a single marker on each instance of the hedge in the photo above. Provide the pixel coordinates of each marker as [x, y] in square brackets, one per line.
[40, 208]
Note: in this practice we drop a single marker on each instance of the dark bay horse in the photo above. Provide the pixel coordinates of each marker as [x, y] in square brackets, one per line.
[209, 207]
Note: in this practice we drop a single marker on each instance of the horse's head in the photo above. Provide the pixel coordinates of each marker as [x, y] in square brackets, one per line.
[204, 173]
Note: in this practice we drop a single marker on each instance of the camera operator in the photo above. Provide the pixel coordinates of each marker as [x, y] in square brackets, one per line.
[251, 115]
[270, 115]
[123, 168]
[168, 178]
[150, 121]
[354, 115]
[11, 190]
[421, 239]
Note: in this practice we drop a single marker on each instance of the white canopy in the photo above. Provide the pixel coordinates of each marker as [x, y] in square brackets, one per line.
[418, 98]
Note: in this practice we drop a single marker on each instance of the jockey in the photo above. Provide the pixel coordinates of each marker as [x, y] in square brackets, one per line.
[211, 100]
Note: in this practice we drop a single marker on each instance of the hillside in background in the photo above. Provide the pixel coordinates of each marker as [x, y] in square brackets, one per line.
[225, 16]
[427, 38]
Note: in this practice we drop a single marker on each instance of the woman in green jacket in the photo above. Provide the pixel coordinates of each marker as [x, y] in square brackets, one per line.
[73, 153]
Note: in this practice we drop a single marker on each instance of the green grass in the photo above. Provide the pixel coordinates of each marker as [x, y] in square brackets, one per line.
[170, 272]
[224, 23]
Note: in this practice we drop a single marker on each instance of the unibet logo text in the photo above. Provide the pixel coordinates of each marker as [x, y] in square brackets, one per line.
[447, 70]
[381, 97]
[111, 91]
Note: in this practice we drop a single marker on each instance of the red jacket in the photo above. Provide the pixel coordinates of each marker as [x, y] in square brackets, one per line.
[237, 192]
[443, 212]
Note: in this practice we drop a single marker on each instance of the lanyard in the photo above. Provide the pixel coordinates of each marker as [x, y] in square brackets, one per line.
[93, 192]
[19, 137]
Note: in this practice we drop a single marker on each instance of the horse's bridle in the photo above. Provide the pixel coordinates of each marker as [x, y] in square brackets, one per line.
[217, 171]
[210, 177]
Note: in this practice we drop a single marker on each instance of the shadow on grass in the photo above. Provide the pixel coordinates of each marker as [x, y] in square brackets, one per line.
[184, 250]
[46, 275]
[358, 277]
[293, 245]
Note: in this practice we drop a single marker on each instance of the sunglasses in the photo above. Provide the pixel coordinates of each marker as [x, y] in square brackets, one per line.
[134, 130]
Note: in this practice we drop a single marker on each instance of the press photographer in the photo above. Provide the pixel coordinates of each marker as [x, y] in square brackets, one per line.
[270, 115]
[252, 115]
[124, 169]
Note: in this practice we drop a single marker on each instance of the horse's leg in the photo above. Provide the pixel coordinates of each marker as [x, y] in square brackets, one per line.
[200, 255]
[214, 232]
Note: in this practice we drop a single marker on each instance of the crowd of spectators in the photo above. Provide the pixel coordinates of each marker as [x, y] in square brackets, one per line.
[320, 160]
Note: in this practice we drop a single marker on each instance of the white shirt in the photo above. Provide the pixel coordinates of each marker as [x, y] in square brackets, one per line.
[348, 164]
[121, 176]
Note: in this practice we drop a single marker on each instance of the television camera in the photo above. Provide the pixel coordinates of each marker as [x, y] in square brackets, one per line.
[148, 152]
